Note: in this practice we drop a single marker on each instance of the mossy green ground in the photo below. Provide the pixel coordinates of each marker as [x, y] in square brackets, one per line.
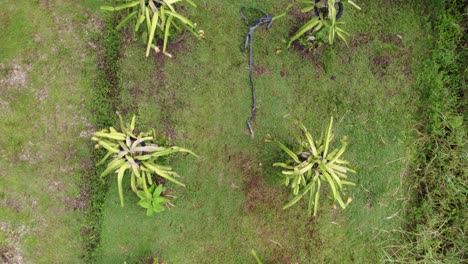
[232, 204]
[201, 98]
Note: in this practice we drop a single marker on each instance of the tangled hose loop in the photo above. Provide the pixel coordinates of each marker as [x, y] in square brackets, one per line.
[267, 19]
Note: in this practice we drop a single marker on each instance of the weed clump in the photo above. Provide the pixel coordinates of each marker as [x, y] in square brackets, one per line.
[437, 213]
[104, 104]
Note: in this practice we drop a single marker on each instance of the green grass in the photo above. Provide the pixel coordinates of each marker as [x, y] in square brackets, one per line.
[63, 71]
[46, 76]
[232, 205]
[436, 215]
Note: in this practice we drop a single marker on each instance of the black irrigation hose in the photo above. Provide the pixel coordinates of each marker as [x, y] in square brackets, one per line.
[267, 19]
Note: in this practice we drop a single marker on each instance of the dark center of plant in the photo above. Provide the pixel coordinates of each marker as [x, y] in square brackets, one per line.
[143, 144]
[303, 156]
[157, 3]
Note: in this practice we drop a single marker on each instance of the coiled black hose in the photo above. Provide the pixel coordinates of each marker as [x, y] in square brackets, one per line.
[266, 19]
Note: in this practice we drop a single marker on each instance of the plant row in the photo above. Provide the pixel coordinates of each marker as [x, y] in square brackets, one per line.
[156, 20]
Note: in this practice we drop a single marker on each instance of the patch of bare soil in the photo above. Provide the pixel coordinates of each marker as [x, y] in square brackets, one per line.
[82, 201]
[174, 49]
[152, 260]
[165, 94]
[13, 204]
[4, 107]
[257, 191]
[264, 201]
[261, 70]
[360, 39]
[380, 65]
[312, 54]
[301, 19]
[299, 16]
[397, 40]
[14, 75]
[9, 245]
[346, 59]
[30, 153]
[45, 3]
[168, 102]
[307, 53]
[136, 91]
[284, 72]
[79, 202]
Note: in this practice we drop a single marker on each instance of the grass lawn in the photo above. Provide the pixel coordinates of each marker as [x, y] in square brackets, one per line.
[52, 72]
[46, 75]
[232, 205]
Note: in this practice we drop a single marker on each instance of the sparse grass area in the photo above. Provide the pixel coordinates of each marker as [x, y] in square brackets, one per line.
[46, 73]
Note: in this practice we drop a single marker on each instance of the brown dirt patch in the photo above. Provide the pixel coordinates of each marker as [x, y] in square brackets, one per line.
[381, 61]
[284, 72]
[301, 18]
[360, 39]
[9, 245]
[80, 202]
[169, 130]
[37, 38]
[86, 231]
[45, 3]
[136, 91]
[258, 193]
[364, 38]
[380, 65]
[167, 97]
[263, 204]
[13, 204]
[392, 39]
[4, 107]
[392, 93]
[261, 70]
[407, 70]
[128, 38]
[319, 69]
[346, 59]
[14, 75]
[308, 54]
[175, 48]
[42, 94]
[152, 260]
[30, 153]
